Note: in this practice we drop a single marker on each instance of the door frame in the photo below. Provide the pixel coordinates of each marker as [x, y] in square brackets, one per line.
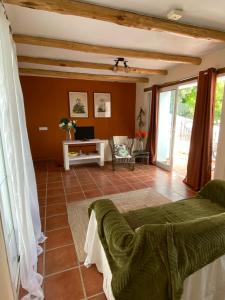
[170, 88]
[159, 164]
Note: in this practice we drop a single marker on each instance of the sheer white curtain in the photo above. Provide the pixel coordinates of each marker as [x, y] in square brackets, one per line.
[19, 164]
[220, 157]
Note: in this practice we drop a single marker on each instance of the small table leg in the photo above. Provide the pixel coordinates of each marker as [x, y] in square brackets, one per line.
[100, 148]
[66, 157]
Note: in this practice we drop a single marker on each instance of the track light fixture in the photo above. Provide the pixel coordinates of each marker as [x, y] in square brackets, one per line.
[123, 61]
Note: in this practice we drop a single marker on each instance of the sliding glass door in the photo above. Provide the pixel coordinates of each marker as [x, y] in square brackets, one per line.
[185, 107]
[176, 112]
[166, 125]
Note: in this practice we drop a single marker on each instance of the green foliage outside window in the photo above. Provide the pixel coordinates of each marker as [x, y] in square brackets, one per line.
[187, 99]
[219, 100]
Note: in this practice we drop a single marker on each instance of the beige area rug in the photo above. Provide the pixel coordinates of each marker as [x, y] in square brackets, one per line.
[78, 212]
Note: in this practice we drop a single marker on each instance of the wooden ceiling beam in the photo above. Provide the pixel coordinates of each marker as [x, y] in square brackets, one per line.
[121, 17]
[89, 65]
[85, 76]
[75, 46]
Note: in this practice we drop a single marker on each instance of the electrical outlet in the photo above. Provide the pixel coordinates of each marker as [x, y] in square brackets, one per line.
[42, 128]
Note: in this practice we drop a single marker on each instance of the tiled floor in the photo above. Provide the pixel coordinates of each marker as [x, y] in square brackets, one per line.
[64, 277]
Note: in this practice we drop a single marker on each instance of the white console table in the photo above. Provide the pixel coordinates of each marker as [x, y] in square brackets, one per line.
[83, 158]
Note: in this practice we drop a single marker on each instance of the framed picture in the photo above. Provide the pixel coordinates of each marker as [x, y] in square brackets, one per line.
[102, 105]
[78, 104]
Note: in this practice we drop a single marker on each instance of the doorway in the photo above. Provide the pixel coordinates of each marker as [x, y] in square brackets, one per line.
[219, 99]
[176, 112]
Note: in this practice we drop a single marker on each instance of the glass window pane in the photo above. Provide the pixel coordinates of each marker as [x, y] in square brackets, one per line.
[217, 115]
[165, 127]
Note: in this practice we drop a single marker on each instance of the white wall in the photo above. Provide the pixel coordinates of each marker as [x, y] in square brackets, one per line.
[142, 100]
[181, 71]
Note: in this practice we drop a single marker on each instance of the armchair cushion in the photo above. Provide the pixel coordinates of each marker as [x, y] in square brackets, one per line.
[121, 150]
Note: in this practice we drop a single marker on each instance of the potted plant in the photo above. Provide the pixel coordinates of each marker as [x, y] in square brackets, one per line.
[141, 135]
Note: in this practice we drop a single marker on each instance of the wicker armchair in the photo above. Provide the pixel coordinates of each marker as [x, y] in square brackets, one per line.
[128, 160]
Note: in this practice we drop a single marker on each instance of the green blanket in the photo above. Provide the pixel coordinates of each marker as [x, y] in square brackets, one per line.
[151, 251]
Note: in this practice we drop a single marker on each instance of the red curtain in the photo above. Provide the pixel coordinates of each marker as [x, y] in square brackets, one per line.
[200, 154]
[153, 128]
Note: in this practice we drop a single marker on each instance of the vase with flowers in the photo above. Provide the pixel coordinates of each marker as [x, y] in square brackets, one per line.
[67, 125]
[140, 136]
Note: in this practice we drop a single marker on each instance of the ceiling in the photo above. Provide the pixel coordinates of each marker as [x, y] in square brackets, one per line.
[73, 28]
[206, 13]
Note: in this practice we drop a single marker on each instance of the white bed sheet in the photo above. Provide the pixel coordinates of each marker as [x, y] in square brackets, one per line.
[207, 283]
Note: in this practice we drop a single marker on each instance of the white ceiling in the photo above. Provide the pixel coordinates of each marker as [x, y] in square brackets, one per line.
[45, 24]
[207, 13]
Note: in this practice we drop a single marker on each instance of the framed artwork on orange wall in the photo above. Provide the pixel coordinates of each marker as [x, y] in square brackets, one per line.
[78, 104]
[102, 105]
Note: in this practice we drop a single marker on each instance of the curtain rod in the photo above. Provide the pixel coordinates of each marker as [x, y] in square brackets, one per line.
[170, 83]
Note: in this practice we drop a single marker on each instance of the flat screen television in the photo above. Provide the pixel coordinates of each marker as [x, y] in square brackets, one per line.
[85, 133]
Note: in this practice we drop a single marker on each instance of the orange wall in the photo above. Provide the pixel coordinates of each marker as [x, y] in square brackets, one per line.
[47, 101]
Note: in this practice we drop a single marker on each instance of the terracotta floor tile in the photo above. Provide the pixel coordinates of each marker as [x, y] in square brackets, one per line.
[93, 280]
[41, 186]
[118, 181]
[54, 185]
[55, 179]
[42, 201]
[75, 196]
[133, 180]
[56, 222]
[139, 185]
[55, 192]
[58, 238]
[54, 173]
[71, 183]
[60, 259]
[42, 211]
[56, 209]
[92, 193]
[74, 189]
[129, 176]
[82, 183]
[68, 174]
[43, 224]
[99, 297]
[106, 184]
[42, 193]
[109, 190]
[144, 178]
[40, 264]
[22, 293]
[56, 199]
[90, 186]
[64, 286]
[124, 188]
[41, 181]
[149, 182]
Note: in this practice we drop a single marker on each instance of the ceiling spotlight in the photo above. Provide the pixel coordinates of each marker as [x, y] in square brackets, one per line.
[123, 61]
[175, 14]
[115, 67]
[126, 68]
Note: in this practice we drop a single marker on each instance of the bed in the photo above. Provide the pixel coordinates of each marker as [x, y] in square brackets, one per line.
[174, 251]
